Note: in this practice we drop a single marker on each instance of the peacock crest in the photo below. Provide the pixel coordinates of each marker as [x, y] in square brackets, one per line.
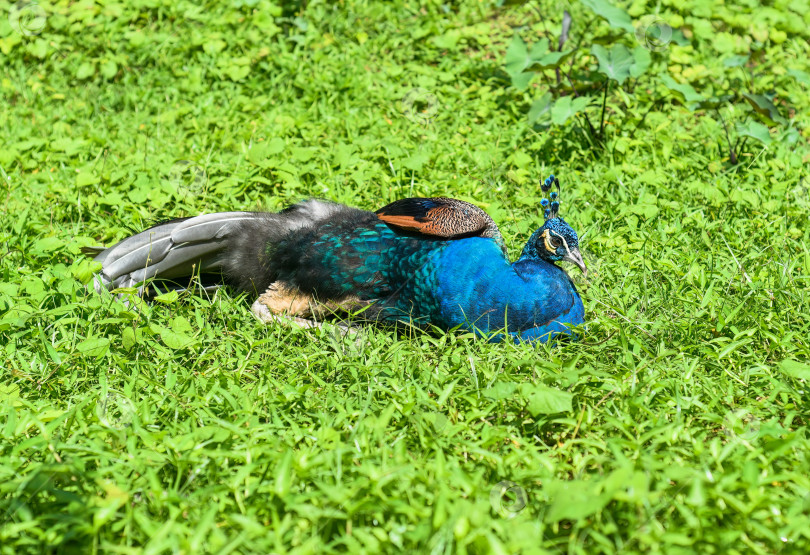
[551, 204]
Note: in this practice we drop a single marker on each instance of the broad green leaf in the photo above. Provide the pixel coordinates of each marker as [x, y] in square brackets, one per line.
[87, 69]
[679, 38]
[237, 72]
[517, 56]
[540, 107]
[539, 50]
[47, 245]
[545, 400]
[800, 76]
[274, 146]
[259, 152]
[69, 146]
[94, 346]
[131, 337]
[755, 130]
[742, 196]
[181, 324]
[795, 369]
[521, 160]
[9, 289]
[167, 298]
[521, 80]
[9, 391]
[551, 60]
[39, 49]
[106, 506]
[567, 107]
[85, 178]
[345, 155]
[214, 46]
[446, 392]
[519, 59]
[646, 210]
[616, 17]
[84, 269]
[574, 500]
[735, 61]
[764, 106]
[685, 93]
[447, 41]
[641, 61]
[416, 161]
[109, 69]
[540, 57]
[303, 154]
[501, 390]
[697, 494]
[614, 63]
[171, 338]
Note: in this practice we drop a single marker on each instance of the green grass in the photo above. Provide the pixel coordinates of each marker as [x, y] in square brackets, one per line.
[186, 426]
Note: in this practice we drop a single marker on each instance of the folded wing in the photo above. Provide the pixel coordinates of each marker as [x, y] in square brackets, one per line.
[440, 217]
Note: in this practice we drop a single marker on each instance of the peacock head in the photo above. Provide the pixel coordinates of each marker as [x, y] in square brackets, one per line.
[556, 240]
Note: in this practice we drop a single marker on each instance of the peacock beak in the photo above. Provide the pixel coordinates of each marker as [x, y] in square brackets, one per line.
[575, 257]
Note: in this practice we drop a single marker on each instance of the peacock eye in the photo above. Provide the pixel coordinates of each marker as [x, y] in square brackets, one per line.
[556, 242]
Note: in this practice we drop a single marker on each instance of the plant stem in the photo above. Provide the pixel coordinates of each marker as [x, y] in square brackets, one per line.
[604, 104]
[590, 125]
[589, 136]
[732, 156]
[742, 146]
[566, 26]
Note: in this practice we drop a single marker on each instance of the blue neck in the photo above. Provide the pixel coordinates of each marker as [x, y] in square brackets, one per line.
[532, 298]
[530, 250]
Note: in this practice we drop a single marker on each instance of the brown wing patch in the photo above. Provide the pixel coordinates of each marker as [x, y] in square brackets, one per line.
[426, 226]
[439, 217]
[409, 222]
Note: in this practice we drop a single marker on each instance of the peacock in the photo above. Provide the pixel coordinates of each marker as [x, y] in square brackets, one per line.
[426, 261]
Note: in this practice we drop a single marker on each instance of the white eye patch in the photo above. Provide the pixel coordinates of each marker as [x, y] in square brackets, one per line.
[550, 247]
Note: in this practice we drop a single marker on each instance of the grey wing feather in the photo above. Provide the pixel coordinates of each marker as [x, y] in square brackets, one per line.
[169, 250]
